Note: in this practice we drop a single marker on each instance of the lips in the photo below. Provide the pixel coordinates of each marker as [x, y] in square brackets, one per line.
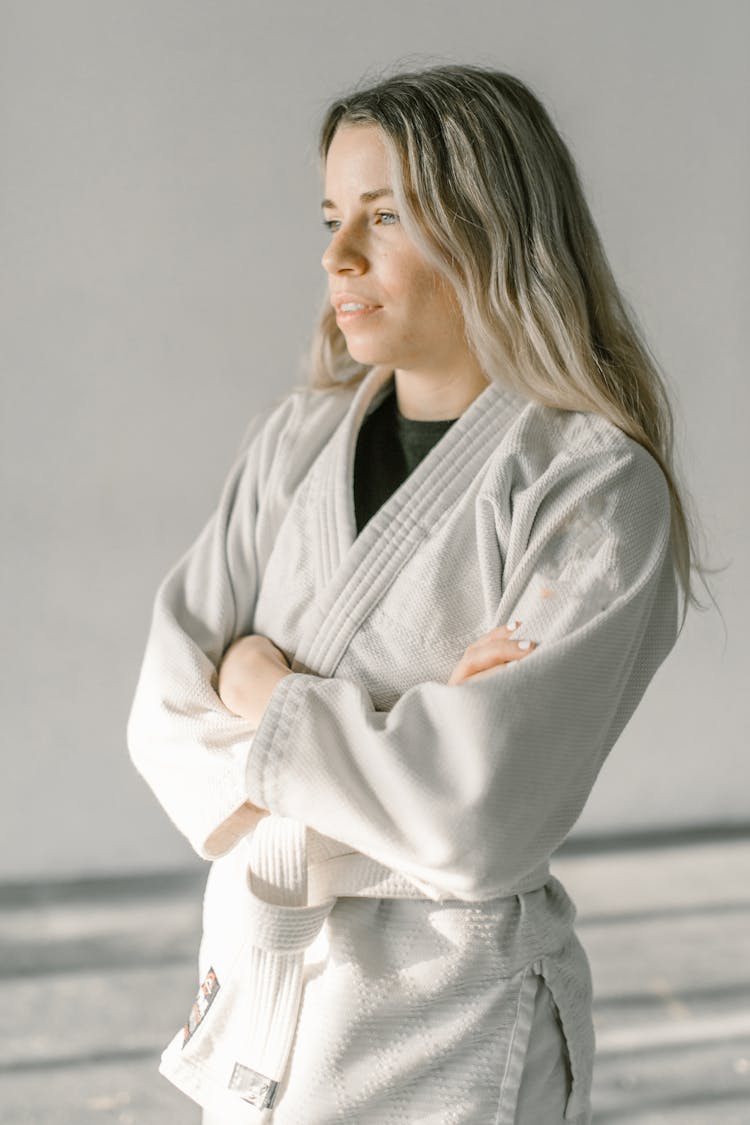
[353, 299]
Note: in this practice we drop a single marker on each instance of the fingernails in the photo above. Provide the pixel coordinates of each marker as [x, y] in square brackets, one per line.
[511, 625]
[524, 644]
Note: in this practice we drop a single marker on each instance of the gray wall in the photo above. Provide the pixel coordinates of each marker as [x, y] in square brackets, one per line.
[160, 274]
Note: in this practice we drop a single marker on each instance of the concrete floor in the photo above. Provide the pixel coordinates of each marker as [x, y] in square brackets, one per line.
[96, 975]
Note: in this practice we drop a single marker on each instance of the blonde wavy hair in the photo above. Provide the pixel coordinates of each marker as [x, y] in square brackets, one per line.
[489, 192]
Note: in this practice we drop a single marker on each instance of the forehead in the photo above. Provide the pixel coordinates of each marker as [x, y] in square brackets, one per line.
[357, 160]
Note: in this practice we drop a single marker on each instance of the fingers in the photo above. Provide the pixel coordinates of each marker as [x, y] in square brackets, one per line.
[491, 650]
[501, 638]
[498, 650]
[500, 631]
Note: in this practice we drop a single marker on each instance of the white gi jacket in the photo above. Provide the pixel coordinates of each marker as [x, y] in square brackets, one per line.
[370, 949]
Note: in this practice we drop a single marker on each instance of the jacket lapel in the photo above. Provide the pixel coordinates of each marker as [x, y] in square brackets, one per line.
[354, 571]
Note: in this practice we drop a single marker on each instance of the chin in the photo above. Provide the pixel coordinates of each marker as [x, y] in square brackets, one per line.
[369, 357]
[371, 354]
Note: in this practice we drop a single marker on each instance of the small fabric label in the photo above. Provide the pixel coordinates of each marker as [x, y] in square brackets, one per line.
[253, 1087]
[203, 1001]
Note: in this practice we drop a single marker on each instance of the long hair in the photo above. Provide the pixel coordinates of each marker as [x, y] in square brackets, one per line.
[489, 192]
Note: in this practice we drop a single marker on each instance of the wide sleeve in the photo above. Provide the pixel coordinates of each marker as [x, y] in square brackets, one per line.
[187, 745]
[467, 788]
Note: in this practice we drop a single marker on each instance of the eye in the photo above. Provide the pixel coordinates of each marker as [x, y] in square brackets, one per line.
[384, 218]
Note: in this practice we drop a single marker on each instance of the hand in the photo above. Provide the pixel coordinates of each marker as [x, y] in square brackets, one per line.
[488, 652]
[250, 669]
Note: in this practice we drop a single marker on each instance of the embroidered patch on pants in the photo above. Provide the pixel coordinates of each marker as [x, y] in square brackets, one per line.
[203, 1002]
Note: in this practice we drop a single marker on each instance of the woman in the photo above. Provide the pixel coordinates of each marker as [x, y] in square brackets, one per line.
[379, 687]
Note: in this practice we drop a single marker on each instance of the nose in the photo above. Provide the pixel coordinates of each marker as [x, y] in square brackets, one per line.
[343, 255]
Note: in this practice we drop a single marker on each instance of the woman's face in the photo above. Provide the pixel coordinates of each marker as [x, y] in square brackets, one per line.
[392, 306]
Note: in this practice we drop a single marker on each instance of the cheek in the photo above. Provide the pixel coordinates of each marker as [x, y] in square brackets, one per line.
[418, 286]
[442, 305]
[425, 288]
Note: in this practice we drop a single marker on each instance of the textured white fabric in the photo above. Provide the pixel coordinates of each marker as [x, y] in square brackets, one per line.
[545, 1079]
[540, 1097]
[431, 810]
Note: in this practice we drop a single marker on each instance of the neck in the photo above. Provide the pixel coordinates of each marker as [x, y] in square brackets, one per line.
[435, 396]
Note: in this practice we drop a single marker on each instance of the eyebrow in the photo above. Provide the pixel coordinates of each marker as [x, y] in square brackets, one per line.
[365, 197]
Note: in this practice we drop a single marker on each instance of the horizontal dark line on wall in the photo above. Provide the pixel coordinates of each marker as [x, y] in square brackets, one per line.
[94, 1058]
[157, 884]
[103, 888]
[91, 957]
[672, 912]
[649, 839]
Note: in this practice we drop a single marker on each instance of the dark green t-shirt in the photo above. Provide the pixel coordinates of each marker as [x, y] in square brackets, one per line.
[389, 447]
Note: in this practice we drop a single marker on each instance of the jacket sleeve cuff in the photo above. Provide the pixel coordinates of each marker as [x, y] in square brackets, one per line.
[272, 742]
